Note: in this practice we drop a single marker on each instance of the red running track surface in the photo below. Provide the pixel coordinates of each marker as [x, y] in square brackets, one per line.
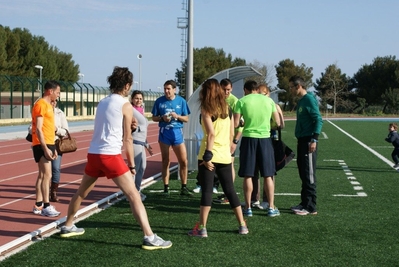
[18, 173]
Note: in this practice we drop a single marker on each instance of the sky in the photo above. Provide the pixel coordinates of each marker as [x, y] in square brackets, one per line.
[101, 34]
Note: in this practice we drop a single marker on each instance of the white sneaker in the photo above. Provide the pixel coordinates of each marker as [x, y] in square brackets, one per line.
[215, 190]
[50, 211]
[197, 189]
[264, 205]
[255, 204]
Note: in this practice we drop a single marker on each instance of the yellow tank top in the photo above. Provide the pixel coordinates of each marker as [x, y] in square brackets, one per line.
[221, 145]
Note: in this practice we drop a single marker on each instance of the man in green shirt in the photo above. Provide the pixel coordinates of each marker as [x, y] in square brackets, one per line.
[256, 149]
[307, 130]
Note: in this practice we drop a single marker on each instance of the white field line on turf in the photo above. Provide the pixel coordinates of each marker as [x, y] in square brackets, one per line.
[390, 163]
[352, 180]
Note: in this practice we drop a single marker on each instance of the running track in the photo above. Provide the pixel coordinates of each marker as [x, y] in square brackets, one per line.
[18, 173]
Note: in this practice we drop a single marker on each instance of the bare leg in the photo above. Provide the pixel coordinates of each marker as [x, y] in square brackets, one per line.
[247, 191]
[239, 216]
[204, 212]
[269, 189]
[181, 154]
[165, 162]
[85, 187]
[126, 184]
[43, 180]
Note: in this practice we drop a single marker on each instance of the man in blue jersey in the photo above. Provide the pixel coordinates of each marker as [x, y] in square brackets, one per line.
[171, 111]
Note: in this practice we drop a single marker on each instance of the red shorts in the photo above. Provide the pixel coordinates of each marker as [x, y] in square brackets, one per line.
[111, 166]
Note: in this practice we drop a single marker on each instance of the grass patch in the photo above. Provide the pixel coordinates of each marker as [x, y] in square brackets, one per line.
[348, 231]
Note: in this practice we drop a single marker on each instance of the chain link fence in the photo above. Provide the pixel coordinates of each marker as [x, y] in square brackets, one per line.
[18, 94]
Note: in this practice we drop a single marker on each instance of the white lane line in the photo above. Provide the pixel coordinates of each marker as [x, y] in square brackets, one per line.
[390, 163]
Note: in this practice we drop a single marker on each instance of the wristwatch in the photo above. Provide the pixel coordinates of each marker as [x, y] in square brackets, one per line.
[313, 140]
[235, 141]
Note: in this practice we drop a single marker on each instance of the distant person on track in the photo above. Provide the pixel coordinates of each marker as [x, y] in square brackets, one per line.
[171, 111]
[307, 129]
[43, 146]
[112, 130]
[393, 138]
[139, 133]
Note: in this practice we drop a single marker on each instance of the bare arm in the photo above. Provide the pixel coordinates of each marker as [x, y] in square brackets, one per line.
[210, 131]
[127, 111]
[237, 117]
[280, 113]
[276, 118]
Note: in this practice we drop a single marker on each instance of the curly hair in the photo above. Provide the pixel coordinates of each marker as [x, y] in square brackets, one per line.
[212, 99]
[119, 78]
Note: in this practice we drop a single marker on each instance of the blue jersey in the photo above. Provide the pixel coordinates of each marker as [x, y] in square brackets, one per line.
[164, 106]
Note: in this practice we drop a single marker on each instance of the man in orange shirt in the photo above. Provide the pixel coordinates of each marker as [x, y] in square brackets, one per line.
[43, 136]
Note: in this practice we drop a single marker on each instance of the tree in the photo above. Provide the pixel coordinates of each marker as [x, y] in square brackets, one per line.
[20, 51]
[371, 81]
[266, 71]
[391, 98]
[284, 71]
[332, 86]
[207, 62]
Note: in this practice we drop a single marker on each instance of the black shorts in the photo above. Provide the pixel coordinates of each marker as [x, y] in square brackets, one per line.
[38, 152]
[256, 152]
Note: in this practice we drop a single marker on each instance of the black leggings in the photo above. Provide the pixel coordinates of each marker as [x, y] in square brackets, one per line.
[225, 176]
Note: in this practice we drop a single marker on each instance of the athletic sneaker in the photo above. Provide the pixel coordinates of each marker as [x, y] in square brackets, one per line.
[264, 205]
[273, 212]
[396, 165]
[50, 211]
[304, 212]
[255, 204]
[37, 210]
[215, 190]
[197, 189]
[185, 192]
[296, 208]
[247, 212]
[243, 230]
[71, 231]
[223, 201]
[156, 243]
[198, 232]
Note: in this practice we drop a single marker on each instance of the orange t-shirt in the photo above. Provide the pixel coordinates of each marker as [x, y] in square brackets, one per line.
[43, 109]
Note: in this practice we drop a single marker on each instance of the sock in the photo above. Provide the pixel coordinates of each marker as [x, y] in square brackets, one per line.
[201, 227]
[39, 204]
[45, 205]
[166, 187]
[183, 186]
[149, 237]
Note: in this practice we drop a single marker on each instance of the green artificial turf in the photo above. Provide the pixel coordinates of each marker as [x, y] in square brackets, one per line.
[349, 230]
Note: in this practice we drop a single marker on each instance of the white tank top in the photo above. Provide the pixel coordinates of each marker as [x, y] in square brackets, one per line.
[108, 126]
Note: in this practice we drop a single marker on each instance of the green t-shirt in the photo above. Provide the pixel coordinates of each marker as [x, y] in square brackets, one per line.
[256, 110]
[232, 101]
